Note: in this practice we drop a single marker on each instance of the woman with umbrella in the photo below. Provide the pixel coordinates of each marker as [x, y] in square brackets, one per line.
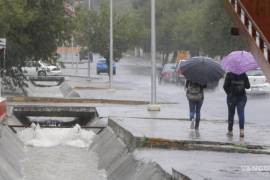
[195, 96]
[236, 81]
[199, 72]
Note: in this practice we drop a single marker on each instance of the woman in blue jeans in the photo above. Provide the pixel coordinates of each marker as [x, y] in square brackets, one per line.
[235, 87]
[195, 96]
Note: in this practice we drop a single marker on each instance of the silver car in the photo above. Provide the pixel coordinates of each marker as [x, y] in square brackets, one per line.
[258, 82]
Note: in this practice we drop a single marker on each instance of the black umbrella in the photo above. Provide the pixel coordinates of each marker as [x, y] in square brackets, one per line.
[202, 70]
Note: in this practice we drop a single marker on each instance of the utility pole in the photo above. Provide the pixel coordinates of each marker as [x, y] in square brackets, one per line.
[72, 51]
[2, 46]
[153, 106]
[89, 58]
[89, 4]
[111, 43]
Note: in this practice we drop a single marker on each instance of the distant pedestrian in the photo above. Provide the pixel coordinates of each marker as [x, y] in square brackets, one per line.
[195, 96]
[235, 87]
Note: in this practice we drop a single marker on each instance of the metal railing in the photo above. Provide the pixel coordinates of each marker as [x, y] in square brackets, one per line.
[253, 30]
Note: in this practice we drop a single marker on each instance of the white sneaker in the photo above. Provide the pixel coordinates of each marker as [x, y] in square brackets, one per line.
[192, 124]
[242, 134]
[229, 133]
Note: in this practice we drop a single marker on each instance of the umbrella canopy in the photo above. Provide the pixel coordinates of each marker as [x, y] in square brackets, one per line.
[239, 62]
[202, 70]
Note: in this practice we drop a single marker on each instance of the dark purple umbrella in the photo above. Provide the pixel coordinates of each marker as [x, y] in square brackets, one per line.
[239, 62]
[202, 70]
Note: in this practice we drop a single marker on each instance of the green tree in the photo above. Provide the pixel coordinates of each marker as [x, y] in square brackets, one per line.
[93, 31]
[214, 30]
[33, 29]
[196, 26]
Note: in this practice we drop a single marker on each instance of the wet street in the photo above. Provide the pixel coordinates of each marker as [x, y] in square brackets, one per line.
[134, 90]
[132, 81]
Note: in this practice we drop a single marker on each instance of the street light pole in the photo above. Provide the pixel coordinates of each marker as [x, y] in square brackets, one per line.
[153, 52]
[3, 42]
[72, 50]
[111, 42]
[89, 4]
[89, 59]
[153, 105]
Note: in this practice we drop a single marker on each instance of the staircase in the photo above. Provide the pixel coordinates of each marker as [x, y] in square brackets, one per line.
[251, 17]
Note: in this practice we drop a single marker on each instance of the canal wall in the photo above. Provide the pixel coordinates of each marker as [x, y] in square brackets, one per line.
[68, 91]
[116, 157]
[11, 153]
[60, 91]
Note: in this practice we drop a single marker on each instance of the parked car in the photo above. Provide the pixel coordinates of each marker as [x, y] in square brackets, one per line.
[40, 68]
[168, 73]
[102, 66]
[180, 78]
[258, 82]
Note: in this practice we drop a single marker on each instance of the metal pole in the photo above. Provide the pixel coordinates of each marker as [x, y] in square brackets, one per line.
[89, 59]
[77, 60]
[72, 51]
[111, 42]
[89, 4]
[89, 66]
[4, 45]
[153, 52]
[2, 70]
[4, 64]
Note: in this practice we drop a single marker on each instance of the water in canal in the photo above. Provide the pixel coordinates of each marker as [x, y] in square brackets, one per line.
[59, 154]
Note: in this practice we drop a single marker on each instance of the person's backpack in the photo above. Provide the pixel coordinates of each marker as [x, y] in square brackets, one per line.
[194, 92]
[237, 87]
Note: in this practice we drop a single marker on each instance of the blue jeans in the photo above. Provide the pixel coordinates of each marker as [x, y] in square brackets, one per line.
[195, 109]
[238, 102]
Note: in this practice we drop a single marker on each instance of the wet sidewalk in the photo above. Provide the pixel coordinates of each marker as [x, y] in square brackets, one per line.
[203, 165]
[211, 136]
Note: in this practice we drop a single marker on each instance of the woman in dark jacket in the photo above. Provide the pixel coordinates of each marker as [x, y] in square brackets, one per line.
[234, 87]
[195, 96]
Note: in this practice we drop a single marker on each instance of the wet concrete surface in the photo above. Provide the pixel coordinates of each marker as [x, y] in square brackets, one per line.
[210, 165]
[210, 131]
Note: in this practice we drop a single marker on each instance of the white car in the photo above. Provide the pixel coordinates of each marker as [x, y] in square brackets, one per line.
[258, 82]
[40, 68]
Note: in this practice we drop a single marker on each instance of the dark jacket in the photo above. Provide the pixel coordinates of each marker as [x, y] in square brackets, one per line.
[234, 77]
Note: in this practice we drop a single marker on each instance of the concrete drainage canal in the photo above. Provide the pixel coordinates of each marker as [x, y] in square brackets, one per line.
[55, 115]
[45, 147]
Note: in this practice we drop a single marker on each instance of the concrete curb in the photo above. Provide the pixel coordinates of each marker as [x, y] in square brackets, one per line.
[148, 142]
[72, 100]
[201, 146]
